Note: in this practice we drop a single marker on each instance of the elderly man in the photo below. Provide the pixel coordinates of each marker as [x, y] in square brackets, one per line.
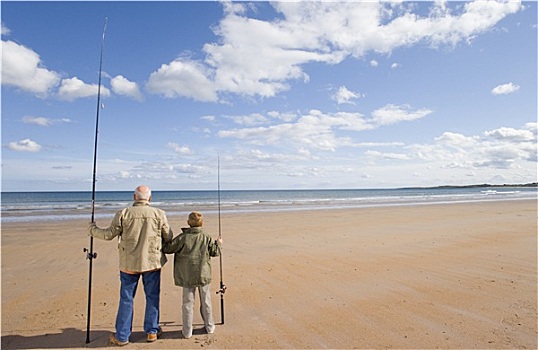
[141, 231]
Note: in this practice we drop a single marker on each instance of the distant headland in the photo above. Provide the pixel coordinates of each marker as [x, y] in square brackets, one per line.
[531, 184]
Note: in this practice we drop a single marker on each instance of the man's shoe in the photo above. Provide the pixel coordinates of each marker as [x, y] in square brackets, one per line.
[153, 336]
[115, 341]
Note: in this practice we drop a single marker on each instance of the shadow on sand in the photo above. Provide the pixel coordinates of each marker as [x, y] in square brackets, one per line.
[68, 338]
[72, 338]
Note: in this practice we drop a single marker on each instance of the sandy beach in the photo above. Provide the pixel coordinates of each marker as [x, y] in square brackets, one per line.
[454, 276]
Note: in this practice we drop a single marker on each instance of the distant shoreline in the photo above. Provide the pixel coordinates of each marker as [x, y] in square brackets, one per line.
[485, 185]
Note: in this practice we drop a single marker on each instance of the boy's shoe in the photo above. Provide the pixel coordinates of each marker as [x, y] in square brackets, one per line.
[184, 336]
[153, 336]
[117, 342]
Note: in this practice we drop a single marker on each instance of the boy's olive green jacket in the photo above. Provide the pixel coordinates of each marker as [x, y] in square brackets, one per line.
[193, 249]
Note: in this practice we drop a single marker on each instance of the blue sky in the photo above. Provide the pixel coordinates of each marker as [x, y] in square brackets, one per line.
[288, 94]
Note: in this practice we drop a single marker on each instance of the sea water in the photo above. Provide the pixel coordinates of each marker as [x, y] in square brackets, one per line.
[47, 206]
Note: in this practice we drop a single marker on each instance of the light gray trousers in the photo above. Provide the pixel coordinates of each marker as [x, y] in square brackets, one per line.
[205, 309]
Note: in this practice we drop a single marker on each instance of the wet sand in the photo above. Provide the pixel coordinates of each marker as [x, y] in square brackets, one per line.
[454, 276]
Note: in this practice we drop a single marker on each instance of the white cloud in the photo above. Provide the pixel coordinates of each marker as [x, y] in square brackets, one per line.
[250, 120]
[357, 28]
[166, 170]
[22, 68]
[255, 155]
[504, 151]
[209, 118]
[318, 130]
[122, 86]
[374, 63]
[284, 116]
[343, 95]
[387, 155]
[42, 121]
[456, 140]
[313, 130]
[505, 89]
[391, 114]
[532, 127]
[254, 57]
[25, 145]
[443, 27]
[184, 78]
[73, 88]
[5, 29]
[184, 150]
[502, 156]
[503, 148]
[511, 134]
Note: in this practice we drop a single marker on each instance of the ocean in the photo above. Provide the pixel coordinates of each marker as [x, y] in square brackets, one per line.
[50, 206]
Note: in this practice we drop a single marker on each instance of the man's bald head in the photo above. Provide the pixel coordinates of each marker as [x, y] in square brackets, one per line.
[142, 192]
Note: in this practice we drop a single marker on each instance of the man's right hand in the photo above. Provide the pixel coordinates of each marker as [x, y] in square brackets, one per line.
[90, 226]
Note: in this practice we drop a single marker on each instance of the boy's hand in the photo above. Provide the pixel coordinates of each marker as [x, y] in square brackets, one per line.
[219, 240]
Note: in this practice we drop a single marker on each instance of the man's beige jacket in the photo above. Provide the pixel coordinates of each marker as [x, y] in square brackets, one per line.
[141, 231]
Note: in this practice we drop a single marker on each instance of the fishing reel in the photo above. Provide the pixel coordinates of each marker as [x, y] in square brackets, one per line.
[89, 255]
[222, 289]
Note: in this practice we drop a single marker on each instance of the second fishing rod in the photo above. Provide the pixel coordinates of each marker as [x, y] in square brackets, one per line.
[222, 288]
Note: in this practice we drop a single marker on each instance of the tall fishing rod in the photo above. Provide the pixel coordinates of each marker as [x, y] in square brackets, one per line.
[90, 255]
[222, 289]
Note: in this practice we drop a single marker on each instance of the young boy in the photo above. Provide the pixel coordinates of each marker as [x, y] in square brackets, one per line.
[192, 250]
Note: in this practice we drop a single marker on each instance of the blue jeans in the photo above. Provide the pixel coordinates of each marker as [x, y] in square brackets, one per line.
[152, 290]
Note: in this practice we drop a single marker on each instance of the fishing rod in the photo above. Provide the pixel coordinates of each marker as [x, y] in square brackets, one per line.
[90, 255]
[222, 289]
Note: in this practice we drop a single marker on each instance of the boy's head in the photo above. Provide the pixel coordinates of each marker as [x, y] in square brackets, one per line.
[196, 219]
